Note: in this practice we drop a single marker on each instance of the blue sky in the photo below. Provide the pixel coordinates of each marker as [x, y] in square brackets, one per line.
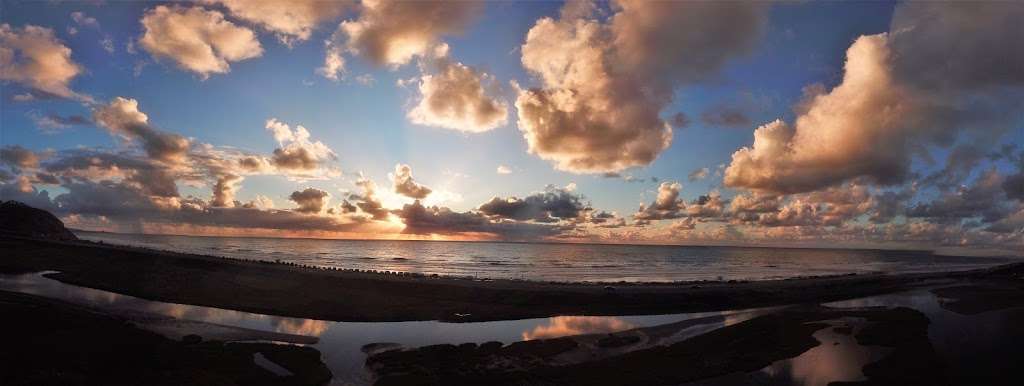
[801, 44]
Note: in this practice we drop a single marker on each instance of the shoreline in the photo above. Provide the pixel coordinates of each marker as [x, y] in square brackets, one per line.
[146, 249]
[292, 290]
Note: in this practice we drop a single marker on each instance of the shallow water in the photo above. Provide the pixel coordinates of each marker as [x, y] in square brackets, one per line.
[341, 342]
[558, 262]
[975, 347]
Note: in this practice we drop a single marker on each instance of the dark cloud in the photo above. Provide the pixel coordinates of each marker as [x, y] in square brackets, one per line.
[551, 205]
[297, 158]
[961, 161]
[368, 202]
[984, 199]
[123, 118]
[405, 185]
[698, 174]
[419, 219]
[310, 200]
[1014, 186]
[18, 156]
[679, 120]
[726, 116]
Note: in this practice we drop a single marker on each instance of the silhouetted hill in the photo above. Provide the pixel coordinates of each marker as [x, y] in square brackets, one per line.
[20, 219]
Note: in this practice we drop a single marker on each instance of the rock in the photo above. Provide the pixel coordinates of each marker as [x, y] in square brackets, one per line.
[191, 339]
[23, 220]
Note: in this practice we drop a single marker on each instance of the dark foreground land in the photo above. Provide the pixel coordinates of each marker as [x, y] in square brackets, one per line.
[50, 342]
[285, 290]
[53, 342]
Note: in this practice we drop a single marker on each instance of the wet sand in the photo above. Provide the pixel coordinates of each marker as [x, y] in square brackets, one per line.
[288, 290]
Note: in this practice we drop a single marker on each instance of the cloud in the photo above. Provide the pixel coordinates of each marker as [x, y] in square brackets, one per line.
[53, 123]
[502, 169]
[404, 184]
[310, 200]
[455, 96]
[984, 199]
[33, 57]
[296, 151]
[84, 20]
[108, 44]
[368, 202]
[666, 205]
[698, 174]
[419, 219]
[18, 156]
[290, 20]
[334, 63]
[725, 116]
[606, 82]
[551, 205]
[122, 118]
[901, 92]
[393, 32]
[197, 40]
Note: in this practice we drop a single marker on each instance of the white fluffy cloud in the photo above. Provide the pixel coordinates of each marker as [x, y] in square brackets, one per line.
[35, 58]
[937, 74]
[458, 97]
[297, 152]
[290, 20]
[405, 185]
[196, 39]
[605, 82]
[393, 32]
[122, 117]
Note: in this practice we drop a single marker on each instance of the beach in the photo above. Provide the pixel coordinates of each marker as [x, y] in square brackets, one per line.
[287, 290]
[785, 322]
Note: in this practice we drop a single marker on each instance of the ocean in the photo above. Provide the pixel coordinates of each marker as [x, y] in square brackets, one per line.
[558, 262]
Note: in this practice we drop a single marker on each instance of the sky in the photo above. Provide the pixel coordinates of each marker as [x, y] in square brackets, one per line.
[855, 124]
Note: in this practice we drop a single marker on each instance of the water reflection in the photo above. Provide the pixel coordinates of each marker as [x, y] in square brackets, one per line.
[340, 342]
[577, 325]
[838, 358]
[977, 348]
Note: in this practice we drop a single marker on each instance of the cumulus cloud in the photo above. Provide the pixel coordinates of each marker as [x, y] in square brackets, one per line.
[606, 82]
[297, 152]
[666, 205]
[310, 200]
[405, 185]
[454, 96]
[900, 93]
[290, 20]
[18, 156]
[122, 118]
[393, 32]
[33, 57]
[368, 202]
[196, 39]
[419, 219]
[551, 205]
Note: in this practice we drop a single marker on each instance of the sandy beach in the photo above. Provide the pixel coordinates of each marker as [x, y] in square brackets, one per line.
[287, 290]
